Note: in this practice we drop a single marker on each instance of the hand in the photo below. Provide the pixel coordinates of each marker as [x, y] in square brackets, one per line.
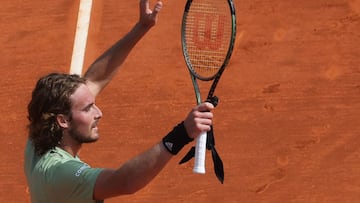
[199, 119]
[148, 17]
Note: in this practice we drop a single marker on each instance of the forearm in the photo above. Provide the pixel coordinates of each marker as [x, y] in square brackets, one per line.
[105, 67]
[134, 174]
[138, 172]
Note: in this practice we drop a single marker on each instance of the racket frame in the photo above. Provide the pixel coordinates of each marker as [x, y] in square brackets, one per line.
[200, 147]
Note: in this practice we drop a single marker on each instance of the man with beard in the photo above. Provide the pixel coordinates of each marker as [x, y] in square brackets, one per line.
[63, 115]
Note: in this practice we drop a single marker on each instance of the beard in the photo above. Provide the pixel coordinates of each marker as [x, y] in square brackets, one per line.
[80, 137]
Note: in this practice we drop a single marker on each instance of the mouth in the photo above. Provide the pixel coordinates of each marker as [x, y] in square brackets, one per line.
[95, 130]
[95, 126]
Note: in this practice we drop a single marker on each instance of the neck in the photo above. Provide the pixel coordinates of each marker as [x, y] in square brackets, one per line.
[70, 150]
[70, 146]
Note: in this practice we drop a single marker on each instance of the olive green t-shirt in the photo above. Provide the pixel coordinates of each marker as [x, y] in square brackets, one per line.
[58, 177]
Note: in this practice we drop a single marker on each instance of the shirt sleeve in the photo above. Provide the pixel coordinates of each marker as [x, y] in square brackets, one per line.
[74, 180]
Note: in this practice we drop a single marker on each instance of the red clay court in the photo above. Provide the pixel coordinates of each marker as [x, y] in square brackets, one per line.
[287, 125]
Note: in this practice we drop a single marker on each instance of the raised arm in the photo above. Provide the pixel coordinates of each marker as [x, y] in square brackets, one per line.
[105, 67]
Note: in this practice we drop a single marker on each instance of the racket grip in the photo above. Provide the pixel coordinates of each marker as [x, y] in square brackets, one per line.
[200, 154]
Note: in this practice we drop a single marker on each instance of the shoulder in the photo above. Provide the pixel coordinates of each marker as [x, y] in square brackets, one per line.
[62, 163]
[68, 174]
[59, 175]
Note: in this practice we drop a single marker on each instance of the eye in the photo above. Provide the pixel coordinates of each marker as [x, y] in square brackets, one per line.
[88, 107]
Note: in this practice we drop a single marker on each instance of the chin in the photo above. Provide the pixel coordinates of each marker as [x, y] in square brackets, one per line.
[90, 140]
[95, 137]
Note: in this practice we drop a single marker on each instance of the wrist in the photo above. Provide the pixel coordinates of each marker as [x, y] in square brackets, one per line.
[176, 139]
[143, 26]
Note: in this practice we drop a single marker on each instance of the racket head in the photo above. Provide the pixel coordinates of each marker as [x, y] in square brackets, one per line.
[208, 35]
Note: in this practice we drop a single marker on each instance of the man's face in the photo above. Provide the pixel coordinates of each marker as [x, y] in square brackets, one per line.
[85, 116]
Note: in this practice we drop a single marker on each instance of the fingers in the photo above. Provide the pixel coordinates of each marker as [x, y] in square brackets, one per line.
[199, 119]
[157, 8]
[144, 5]
[155, 11]
[206, 106]
[148, 17]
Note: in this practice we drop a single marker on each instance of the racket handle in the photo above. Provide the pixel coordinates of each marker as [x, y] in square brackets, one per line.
[200, 154]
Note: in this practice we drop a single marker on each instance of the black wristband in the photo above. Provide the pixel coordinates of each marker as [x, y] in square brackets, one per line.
[175, 140]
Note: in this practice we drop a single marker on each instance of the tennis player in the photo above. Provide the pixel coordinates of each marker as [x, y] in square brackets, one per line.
[63, 116]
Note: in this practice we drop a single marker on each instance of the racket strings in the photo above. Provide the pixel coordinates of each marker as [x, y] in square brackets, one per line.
[208, 31]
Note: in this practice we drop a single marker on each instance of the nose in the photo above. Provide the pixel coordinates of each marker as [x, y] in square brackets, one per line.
[98, 112]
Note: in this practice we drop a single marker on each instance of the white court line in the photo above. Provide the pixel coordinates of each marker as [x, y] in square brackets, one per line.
[82, 28]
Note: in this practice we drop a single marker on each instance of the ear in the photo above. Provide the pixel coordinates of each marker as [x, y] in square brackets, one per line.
[62, 120]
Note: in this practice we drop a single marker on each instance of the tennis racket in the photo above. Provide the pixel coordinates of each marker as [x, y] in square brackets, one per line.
[207, 35]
